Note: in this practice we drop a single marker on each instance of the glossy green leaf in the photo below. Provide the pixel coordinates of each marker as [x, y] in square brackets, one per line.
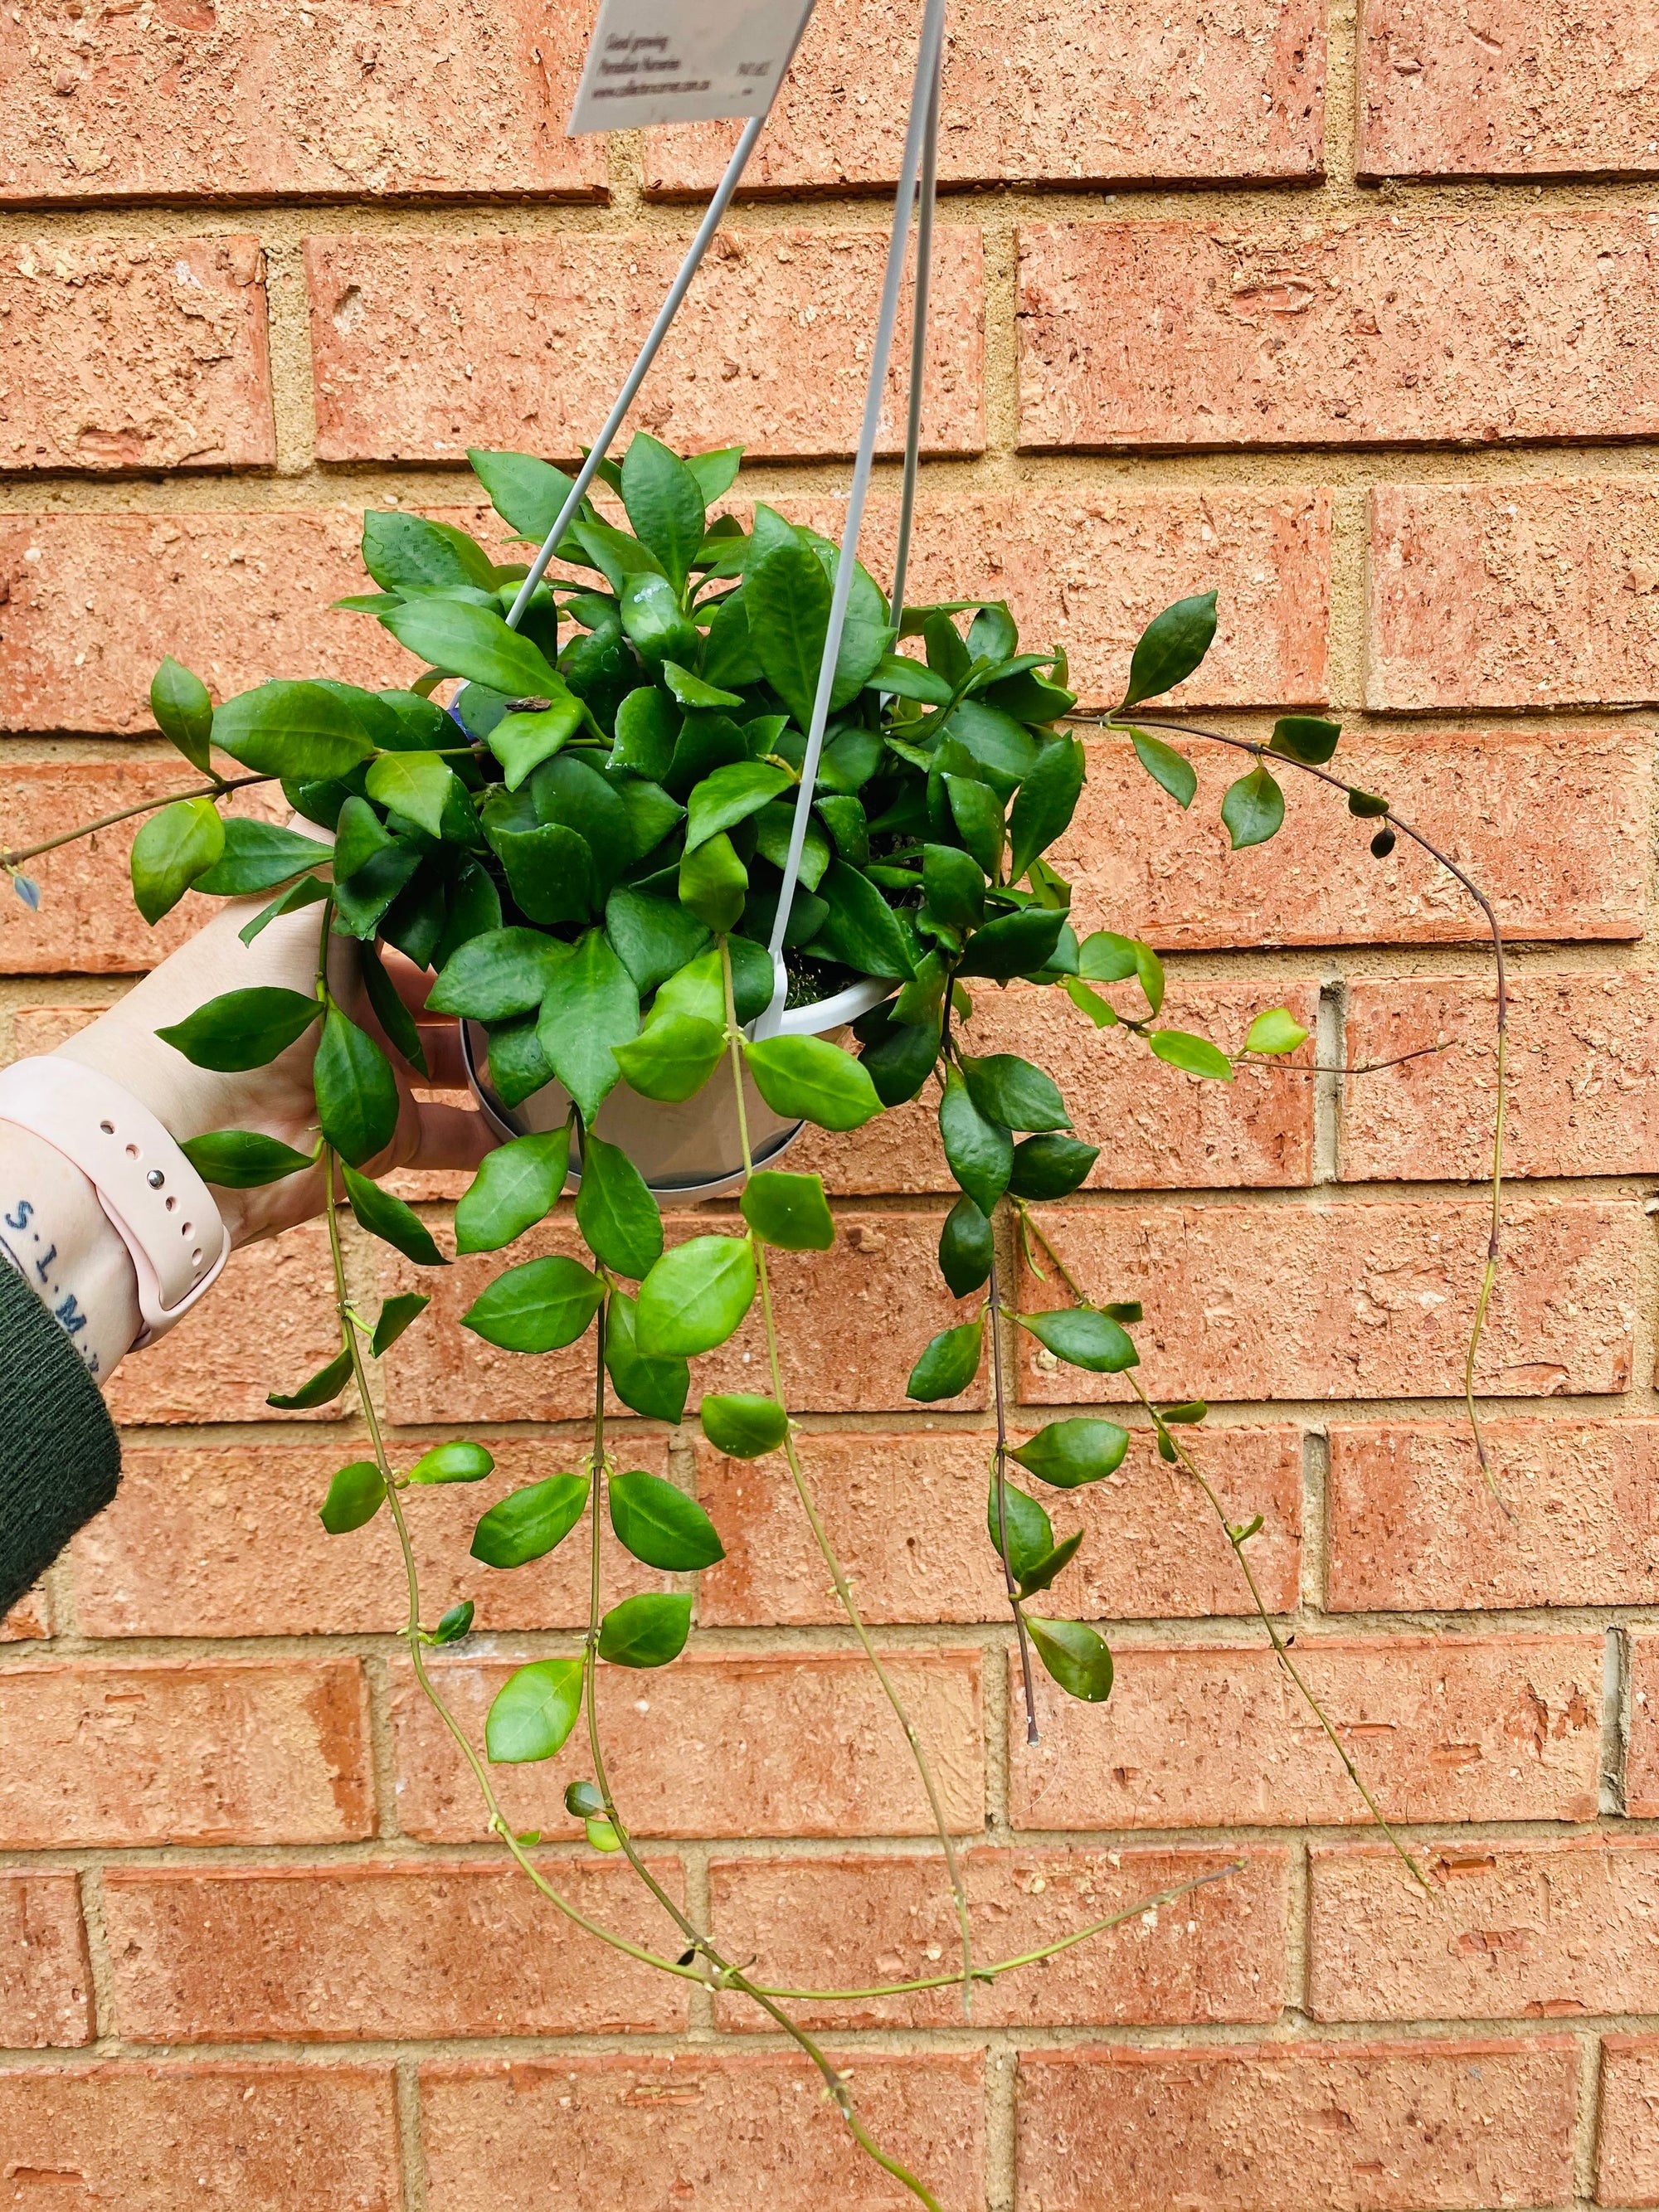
[1085, 1337]
[1166, 766]
[171, 851]
[323, 1388]
[516, 1186]
[1276, 1029]
[948, 1364]
[672, 1058]
[305, 732]
[388, 1217]
[788, 1211]
[182, 712]
[242, 1159]
[396, 1315]
[1045, 802]
[354, 1496]
[1193, 1055]
[357, 1096]
[730, 795]
[534, 1711]
[965, 1248]
[1013, 945]
[645, 1632]
[615, 1211]
[1069, 1454]
[1171, 646]
[664, 505]
[695, 1297]
[459, 1461]
[1306, 737]
[242, 1029]
[1253, 809]
[589, 1008]
[528, 1524]
[661, 1525]
[540, 1306]
[656, 1387]
[979, 1151]
[257, 856]
[501, 973]
[1009, 1090]
[1075, 1656]
[807, 1078]
[1049, 1167]
[742, 1425]
[473, 643]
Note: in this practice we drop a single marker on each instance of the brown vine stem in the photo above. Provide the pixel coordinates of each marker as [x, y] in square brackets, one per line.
[999, 1476]
[216, 790]
[1237, 1539]
[1263, 753]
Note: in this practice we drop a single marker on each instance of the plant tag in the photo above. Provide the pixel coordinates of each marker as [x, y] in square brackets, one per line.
[685, 61]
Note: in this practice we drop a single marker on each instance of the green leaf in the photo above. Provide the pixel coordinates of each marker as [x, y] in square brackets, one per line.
[1193, 1055]
[528, 1524]
[742, 1426]
[695, 1297]
[242, 1159]
[391, 1220]
[645, 1632]
[1045, 802]
[655, 1388]
[1075, 1656]
[354, 1496]
[456, 1461]
[323, 1388]
[1084, 1337]
[516, 1186]
[454, 1623]
[491, 977]
[357, 1098]
[540, 1306]
[1305, 738]
[953, 884]
[860, 932]
[1276, 1029]
[1171, 646]
[257, 857]
[965, 1248]
[396, 1315]
[534, 1711]
[1253, 808]
[672, 1058]
[1049, 1167]
[1030, 1537]
[948, 1364]
[615, 1212]
[589, 1008]
[182, 712]
[661, 1525]
[242, 1029]
[417, 785]
[1166, 766]
[471, 641]
[1366, 805]
[1013, 945]
[171, 851]
[304, 733]
[730, 795]
[524, 491]
[788, 1211]
[1069, 1454]
[807, 1078]
[1009, 1090]
[665, 504]
[979, 1152]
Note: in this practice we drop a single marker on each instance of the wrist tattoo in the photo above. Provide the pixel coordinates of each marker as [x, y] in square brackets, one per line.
[33, 1259]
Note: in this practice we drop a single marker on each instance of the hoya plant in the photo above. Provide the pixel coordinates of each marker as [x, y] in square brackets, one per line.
[586, 831]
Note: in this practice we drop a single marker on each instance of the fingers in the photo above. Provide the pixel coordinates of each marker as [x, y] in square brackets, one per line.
[450, 1136]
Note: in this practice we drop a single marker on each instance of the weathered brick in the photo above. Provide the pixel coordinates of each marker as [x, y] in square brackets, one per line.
[1349, 1300]
[840, 1354]
[1583, 1071]
[46, 1978]
[1510, 1930]
[1503, 1728]
[134, 353]
[219, 2138]
[1412, 1525]
[1514, 594]
[192, 1751]
[798, 1744]
[225, 1541]
[906, 1513]
[28, 1619]
[1401, 332]
[1305, 2128]
[425, 1948]
[1628, 2155]
[1542, 90]
[269, 1325]
[765, 353]
[1642, 1752]
[1554, 828]
[1217, 1953]
[736, 2130]
[1032, 98]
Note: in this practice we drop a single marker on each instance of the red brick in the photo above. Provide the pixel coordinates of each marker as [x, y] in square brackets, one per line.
[1537, 92]
[1641, 1753]
[221, 2138]
[29, 1618]
[907, 1515]
[1401, 332]
[192, 1751]
[46, 1978]
[1514, 594]
[1628, 2159]
[269, 1325]
[1502, 1728]
[840, 1354]
[798, 1744]
[1350, 1301]
[428, 1948]
[1553, 828]
[247, 104]
[1582, 1074]
[767, 350]
[1215, 1954]
[1303, 2127]
[225, 1541]
[1032, 98]
[134, 353]
[737, 2131]
[1412, 1526]
[1510, 1931]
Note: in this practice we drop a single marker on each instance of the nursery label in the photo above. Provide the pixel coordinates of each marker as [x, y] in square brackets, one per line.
[685, 61]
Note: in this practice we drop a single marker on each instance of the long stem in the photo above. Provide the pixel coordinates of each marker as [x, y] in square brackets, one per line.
[999, 1476]
[215, 790]
[1237, 1538]
[826, 1552]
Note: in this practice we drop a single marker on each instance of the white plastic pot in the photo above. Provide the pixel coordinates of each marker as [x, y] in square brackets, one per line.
[684, 1152]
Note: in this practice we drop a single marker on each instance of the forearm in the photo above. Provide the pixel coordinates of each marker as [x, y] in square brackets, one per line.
[62, 1243]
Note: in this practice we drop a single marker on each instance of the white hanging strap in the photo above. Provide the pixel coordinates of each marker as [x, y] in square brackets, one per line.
[922, 106]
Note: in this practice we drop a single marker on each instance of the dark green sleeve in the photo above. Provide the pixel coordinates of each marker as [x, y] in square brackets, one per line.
[59, 1461]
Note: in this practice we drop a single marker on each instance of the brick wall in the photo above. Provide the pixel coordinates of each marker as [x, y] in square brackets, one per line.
[1354, 322]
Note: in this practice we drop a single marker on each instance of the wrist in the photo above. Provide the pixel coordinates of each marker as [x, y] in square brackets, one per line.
[58, 1237]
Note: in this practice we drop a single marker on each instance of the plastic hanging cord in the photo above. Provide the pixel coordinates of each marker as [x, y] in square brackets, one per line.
[927, 62]
[918, 338]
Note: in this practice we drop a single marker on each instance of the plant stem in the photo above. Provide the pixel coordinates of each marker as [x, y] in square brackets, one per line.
[213, 790]
[1000, 1477]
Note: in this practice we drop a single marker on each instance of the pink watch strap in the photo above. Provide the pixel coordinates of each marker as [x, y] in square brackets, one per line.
[161, 1208]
